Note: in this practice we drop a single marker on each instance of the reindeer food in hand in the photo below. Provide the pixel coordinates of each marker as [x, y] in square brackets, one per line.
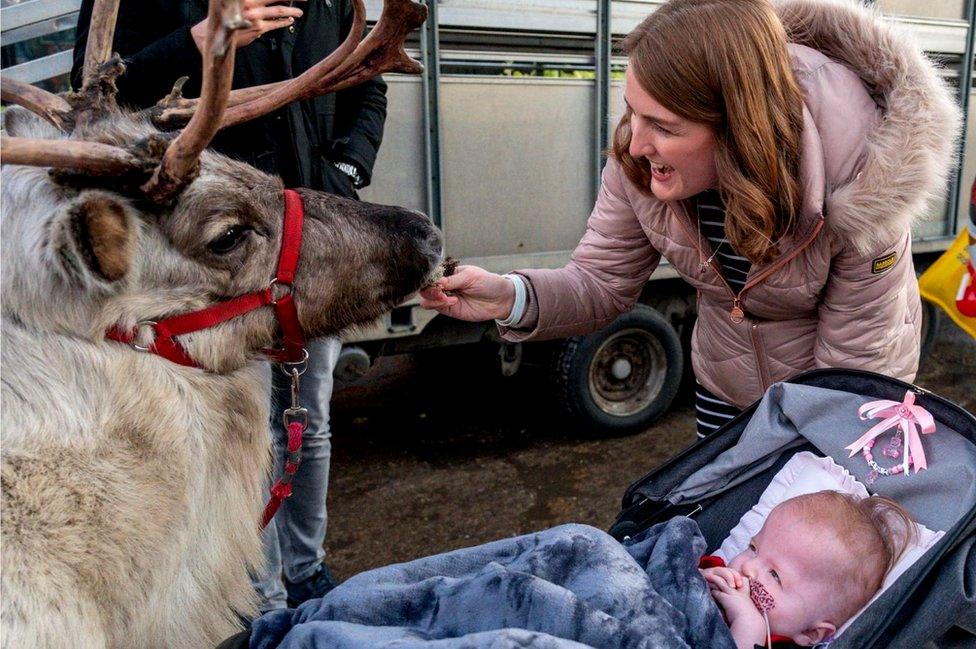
[446, 269]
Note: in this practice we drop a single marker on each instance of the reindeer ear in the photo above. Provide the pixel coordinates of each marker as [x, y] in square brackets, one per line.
[102, 234]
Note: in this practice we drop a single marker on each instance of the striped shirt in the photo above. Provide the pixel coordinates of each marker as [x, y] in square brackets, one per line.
[711, 413]
[711, 220]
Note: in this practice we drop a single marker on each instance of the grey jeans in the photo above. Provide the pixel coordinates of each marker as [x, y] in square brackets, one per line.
[293, 539]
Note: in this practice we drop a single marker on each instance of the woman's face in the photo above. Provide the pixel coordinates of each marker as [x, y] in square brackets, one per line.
[681, 152]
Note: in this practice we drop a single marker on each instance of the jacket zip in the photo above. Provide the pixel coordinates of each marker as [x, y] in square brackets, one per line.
[737, 314]
[783, 260]
[757, 345]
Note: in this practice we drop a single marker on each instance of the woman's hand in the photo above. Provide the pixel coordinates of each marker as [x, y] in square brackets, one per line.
[475, 295]
[264, 16]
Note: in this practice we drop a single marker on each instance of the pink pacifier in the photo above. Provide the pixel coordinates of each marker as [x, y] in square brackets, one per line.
[764, 602]
[760, 596]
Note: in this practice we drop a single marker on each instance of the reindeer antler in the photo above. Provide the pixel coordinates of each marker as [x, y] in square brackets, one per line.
[381, 51]
[176, 110]
[94, 157]
[181, 160]
[354, 61]
[51, 107]
[96, 97]
[41, 102]
[101, 32]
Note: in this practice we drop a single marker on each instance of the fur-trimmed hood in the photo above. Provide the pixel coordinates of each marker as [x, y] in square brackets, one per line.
[879, 131]
[908, 154]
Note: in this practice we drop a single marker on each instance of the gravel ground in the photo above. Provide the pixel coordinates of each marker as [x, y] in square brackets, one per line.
[431, 455]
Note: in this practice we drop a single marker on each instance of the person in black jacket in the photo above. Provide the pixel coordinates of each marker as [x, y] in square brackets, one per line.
[327, 143]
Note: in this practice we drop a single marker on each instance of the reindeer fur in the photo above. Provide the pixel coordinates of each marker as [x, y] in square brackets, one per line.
[131, 487]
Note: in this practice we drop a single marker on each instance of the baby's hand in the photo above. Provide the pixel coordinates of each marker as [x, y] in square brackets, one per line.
[731, 592]
[733, 578]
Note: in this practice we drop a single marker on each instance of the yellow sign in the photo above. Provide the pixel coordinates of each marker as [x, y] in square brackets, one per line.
[940, 283]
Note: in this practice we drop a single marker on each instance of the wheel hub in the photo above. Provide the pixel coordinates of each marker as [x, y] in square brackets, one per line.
[627, 372]
[621, 368]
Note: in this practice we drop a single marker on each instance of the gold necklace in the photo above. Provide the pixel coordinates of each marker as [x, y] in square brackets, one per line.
[736, 314]
[703, 263]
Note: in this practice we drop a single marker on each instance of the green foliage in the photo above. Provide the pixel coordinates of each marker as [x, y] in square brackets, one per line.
[616, 75]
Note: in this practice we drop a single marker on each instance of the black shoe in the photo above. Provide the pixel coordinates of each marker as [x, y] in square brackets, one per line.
[317, 585]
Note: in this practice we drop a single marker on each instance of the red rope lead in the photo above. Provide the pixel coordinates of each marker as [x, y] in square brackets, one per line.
[292, 338]
[282, 488]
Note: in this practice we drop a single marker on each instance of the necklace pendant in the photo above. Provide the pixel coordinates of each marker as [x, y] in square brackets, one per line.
[701, 267]
[737, 315]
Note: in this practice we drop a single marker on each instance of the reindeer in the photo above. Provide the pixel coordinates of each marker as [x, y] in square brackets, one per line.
[133, 453]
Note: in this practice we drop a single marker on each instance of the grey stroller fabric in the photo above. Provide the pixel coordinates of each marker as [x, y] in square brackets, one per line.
[570, 587]
[721, 477]
[790, 415]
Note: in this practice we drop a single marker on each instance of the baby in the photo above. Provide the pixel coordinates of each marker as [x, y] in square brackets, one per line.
[816, 561]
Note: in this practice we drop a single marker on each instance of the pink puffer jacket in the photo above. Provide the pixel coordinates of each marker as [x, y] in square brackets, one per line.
[879, 134]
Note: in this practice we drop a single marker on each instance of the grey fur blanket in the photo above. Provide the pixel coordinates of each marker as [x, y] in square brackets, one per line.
[568, 587]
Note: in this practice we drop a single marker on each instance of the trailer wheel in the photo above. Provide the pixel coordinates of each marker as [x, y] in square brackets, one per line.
[620, 379]
[931, 317]
[931, 321]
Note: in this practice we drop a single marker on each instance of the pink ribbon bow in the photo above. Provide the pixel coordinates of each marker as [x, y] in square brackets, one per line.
[905, 415]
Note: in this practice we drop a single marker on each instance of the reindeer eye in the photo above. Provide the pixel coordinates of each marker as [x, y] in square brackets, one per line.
[229, 240]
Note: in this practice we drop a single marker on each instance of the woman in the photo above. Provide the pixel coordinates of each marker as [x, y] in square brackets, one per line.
[777, 158]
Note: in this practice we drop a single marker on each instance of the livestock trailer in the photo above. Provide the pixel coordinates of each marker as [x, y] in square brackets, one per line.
[501, 142]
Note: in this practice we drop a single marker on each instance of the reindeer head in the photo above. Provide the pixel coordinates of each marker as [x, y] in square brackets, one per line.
[135, 226]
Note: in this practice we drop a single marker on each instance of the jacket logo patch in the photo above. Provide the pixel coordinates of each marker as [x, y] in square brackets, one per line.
[881, 264]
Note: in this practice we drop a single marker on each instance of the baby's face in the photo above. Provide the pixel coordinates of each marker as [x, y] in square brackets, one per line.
[787, 557]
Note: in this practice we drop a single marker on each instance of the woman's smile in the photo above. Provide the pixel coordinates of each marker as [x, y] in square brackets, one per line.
[659, 135]
[661, 172]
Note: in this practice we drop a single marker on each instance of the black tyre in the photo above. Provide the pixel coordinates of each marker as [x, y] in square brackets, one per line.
[619, 380]
[931, 317]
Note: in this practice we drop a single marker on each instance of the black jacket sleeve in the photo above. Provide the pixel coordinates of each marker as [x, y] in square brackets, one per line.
[360, 116]
[154, 43]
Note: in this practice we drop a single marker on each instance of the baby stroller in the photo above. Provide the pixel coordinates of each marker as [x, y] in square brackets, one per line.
[719, 479]
[517, 589]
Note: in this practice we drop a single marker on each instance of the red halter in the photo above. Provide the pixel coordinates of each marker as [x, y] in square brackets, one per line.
[293, 340]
